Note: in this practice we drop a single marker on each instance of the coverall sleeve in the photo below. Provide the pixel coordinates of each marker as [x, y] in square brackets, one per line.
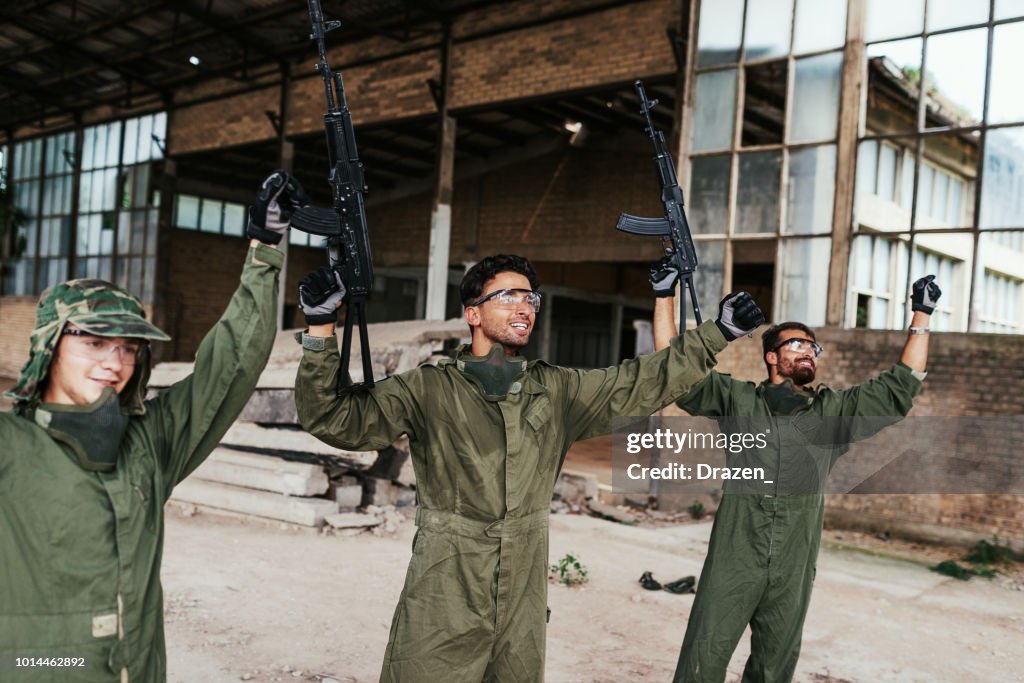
[365, 419]
[640, 386]
[890, 394]
[191, 416]
[711, 397]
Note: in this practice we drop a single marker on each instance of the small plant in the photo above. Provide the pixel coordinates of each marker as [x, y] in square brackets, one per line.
[982, 555]
[569, 571]
[696, 510]
[951, 568]
[991, 553]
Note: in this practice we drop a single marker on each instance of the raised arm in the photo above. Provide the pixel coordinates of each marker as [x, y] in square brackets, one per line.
[923, 295]
[361, 420]
[192, 416]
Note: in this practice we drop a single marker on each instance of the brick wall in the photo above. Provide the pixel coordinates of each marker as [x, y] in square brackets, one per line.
[18, 314]
[581, 50]
[968, 374]
[609, 46]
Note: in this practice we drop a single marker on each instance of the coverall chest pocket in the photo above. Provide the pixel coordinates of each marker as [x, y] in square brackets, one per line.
[542, 432]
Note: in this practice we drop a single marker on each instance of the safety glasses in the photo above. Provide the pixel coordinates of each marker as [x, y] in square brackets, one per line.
[801, 346]
[99, 349]
[511, 298]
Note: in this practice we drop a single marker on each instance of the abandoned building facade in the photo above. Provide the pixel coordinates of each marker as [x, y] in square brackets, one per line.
[830, 152]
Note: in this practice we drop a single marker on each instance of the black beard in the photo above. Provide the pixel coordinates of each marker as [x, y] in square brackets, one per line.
[801, 375]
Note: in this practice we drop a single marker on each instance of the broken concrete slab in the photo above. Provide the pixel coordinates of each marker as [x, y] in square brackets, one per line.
[599, 509]
[352, 520]
[246, 435]
[303, 511]
[263, 472]
[348, 496]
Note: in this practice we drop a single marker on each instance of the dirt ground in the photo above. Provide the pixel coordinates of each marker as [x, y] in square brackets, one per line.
[260, 601]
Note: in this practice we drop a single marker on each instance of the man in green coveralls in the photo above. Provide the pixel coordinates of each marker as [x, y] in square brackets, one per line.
[488, 432]
[87, 463]
[761, 559]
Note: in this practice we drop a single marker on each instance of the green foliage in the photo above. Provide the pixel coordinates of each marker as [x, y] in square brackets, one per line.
[991, 553]
[981, 557]
[569, 571]
[696, 510]
[951, 568]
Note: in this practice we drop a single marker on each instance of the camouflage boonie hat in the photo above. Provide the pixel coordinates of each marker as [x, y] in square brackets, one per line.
[97, 307]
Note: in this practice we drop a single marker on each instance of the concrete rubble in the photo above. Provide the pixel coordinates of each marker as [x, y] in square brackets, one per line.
[266, 466]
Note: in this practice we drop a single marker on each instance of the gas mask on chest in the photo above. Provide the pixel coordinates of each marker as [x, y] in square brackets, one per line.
[785, 399]
[92, 431]
[494, 372]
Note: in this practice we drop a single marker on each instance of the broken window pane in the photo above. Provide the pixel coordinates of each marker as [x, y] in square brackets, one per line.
[945, 195]
[714, 109]
[894, 71]
[709, 195]
[885, 175]
[1004, 100]
[999, 298]
[709, 281]
[812, 173]
[888, 19]
[804, 281]
[757, 198]
[948, 256]
[815, 109]
[820, 25]
[768, 25]
[1002, 192]
[956, 78]
[764, 104]
[721, 24]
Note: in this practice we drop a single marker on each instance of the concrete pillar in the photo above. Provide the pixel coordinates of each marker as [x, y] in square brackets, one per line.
[441, 214]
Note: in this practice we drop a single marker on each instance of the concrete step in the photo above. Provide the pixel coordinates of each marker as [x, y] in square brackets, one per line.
[263, 472]
[304, 511]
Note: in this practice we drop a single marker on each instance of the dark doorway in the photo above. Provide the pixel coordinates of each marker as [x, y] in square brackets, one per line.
[753, 270]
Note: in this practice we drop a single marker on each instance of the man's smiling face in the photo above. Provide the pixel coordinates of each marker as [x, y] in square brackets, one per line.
[494, 322]
[83, 366]
[792, 360]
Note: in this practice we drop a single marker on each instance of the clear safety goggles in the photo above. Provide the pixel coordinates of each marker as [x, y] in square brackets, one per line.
[801, 346]
[99, 349]
[511, 298]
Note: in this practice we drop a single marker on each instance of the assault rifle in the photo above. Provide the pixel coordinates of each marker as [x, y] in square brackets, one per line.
[344, 225]
[673, 228]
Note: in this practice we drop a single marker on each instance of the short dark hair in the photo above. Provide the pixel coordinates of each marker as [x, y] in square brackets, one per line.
[770, 338]
[472, 287]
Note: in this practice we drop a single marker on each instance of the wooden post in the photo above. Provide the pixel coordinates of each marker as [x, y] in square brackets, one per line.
[846, 162]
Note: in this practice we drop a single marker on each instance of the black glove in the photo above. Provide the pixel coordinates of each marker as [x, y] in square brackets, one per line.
[738, 315]
[320, 294]
[924, 293]
[270, 216]
[663, 277]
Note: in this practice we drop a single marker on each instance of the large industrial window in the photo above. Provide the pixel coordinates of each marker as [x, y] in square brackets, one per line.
[111, 232]
[941, 159]
[209, 215]
[762, 149]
